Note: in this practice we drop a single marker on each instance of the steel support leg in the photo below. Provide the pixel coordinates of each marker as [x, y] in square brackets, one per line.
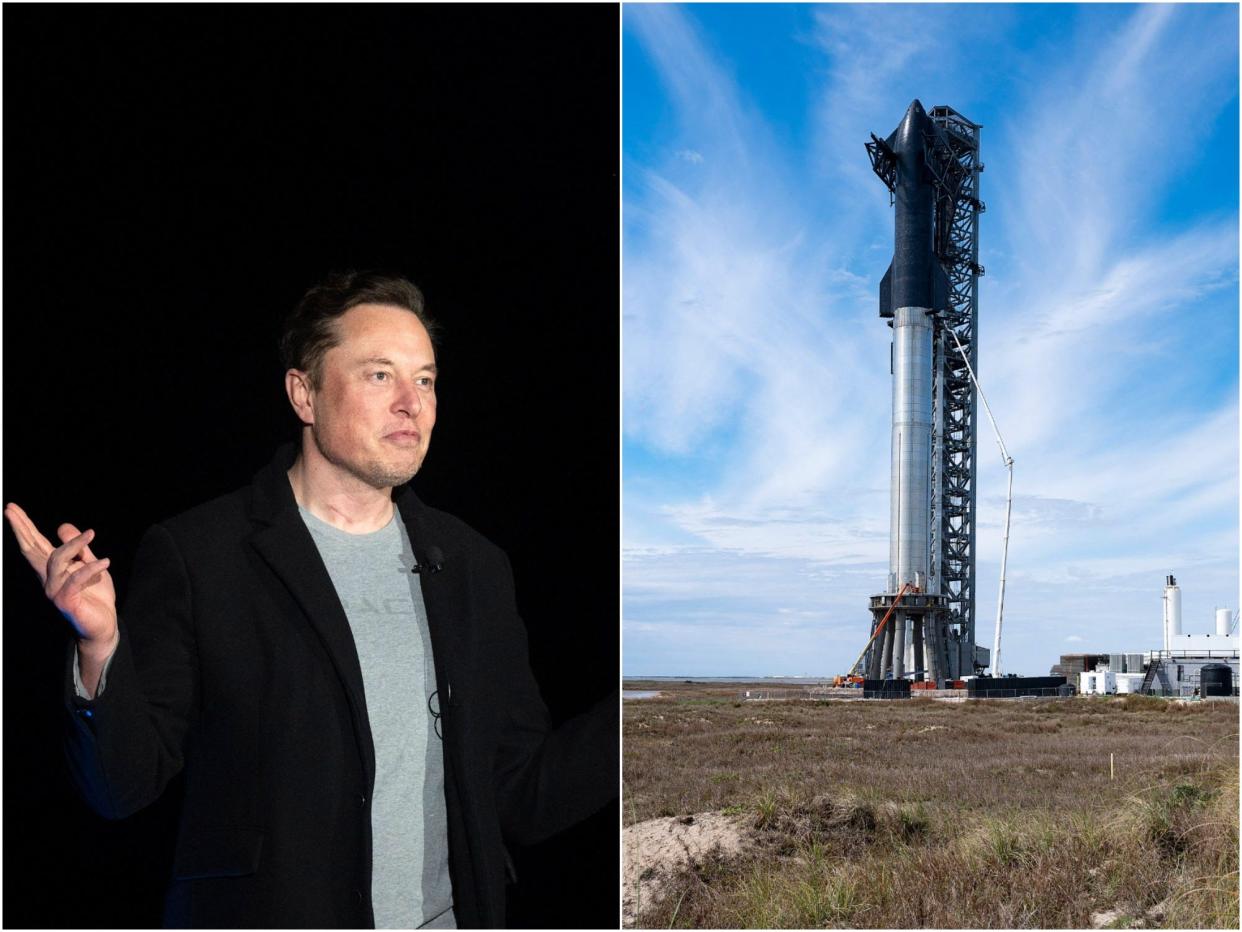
[919, 663]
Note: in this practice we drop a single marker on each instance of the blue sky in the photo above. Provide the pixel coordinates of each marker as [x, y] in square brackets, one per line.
[756, 400]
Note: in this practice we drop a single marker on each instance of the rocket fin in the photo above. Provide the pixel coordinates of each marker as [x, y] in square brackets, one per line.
[886, 293]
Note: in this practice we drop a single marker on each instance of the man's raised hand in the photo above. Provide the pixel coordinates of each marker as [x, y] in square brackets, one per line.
[74, 580]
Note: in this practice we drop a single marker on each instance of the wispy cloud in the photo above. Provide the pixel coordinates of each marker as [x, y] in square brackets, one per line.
[757, 391]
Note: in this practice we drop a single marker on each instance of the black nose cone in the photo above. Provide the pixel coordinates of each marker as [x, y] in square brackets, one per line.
[909, 133]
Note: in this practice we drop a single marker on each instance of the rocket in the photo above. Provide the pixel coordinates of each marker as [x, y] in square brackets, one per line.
[913, 289]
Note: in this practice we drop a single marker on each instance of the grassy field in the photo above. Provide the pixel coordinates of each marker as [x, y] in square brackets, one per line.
[925, 814]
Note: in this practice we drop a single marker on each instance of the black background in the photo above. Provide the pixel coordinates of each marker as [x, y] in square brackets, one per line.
[174, 178]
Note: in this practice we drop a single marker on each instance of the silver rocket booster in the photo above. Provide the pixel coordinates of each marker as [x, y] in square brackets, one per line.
[910, 504]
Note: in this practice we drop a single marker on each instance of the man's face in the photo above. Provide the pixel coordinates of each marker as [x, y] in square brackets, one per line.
[376, 404]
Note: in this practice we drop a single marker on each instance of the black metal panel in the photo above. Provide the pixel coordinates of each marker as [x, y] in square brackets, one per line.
[886, 297]
[886, 689]
[1013, 686]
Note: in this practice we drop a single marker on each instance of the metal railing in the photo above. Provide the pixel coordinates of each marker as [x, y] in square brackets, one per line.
[841, 692]
[1230, 654]
[1041, 692]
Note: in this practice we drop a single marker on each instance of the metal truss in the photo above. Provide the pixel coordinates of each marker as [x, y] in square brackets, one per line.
[883, 163]
[953, 160]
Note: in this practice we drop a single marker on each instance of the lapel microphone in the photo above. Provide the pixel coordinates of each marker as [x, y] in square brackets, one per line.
[433, 564]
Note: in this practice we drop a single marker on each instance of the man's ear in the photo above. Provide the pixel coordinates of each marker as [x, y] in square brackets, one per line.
[301, 395]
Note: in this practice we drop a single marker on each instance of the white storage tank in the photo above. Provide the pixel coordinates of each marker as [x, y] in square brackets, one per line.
[1223, 617]
[1172, 611]
[1129, 682]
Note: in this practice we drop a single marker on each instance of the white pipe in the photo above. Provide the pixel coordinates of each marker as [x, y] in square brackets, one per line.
[1000, 601]
[987, 407]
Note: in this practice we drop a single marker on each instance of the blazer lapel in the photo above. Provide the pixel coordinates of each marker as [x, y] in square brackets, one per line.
[286, 545]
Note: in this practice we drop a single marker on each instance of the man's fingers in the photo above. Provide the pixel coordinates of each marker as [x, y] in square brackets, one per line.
[68, 532]
[27, 534]
[85, 575]
[64, 569]
[61, 559]
[34, 546]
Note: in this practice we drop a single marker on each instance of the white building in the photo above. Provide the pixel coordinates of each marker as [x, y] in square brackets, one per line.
[1098, 682]
[1174, 670]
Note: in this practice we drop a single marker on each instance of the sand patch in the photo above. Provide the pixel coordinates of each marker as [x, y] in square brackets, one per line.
[653, 849]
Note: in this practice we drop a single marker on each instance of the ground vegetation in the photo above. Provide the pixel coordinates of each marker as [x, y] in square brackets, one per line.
[1078, 813]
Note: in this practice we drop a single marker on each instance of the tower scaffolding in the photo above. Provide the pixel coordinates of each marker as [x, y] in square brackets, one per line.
[955, 439]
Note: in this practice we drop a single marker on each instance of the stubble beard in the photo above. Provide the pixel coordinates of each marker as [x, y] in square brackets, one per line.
[375, 473]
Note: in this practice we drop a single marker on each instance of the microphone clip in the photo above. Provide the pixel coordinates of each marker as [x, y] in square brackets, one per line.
[432, 564]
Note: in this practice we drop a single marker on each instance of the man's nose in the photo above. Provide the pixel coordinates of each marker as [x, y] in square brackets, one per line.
[408, 400]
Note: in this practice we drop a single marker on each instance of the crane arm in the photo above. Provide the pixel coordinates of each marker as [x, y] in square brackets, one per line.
[880, 626]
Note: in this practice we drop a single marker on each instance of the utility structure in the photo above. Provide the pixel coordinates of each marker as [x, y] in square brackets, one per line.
[923, 624]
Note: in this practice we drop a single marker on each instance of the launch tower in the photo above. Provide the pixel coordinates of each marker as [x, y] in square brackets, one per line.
[923, 624]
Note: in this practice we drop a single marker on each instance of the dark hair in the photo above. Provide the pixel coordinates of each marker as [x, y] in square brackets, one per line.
[310, 329]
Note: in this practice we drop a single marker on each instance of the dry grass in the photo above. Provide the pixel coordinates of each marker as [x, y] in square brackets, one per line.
[921, 814]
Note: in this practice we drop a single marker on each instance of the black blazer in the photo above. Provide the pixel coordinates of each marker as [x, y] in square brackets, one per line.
[236, 662]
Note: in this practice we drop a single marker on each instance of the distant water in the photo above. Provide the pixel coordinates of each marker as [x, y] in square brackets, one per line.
[773, 680]
[639, 693]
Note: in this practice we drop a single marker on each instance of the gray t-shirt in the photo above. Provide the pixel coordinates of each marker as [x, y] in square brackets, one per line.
[382, 598]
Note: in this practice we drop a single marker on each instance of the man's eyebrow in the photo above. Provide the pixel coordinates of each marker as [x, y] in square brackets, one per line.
[385, 361]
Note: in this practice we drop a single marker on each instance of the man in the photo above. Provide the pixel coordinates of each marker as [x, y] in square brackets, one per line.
[339, 669]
